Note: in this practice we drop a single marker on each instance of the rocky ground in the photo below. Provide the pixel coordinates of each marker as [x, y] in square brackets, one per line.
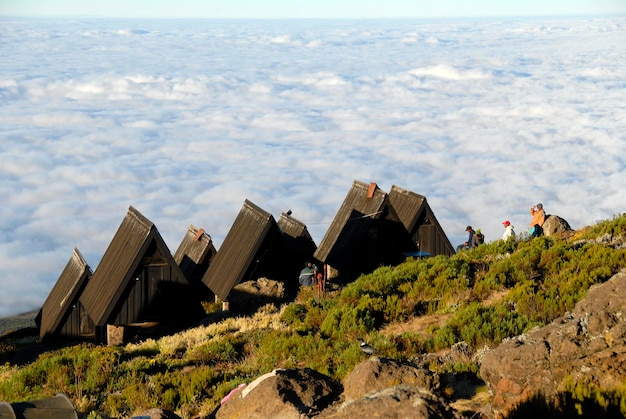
[587, 344]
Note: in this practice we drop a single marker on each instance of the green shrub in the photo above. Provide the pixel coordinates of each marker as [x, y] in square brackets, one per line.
[479, 325]
[348, 321]
[615, 226]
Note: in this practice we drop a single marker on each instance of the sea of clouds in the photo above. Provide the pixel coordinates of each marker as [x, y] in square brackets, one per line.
[185, 119]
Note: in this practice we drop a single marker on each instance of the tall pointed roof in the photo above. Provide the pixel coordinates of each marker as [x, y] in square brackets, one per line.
[121, 259]
[293, 227]
[365, 233]
[240, 252]
[420, 221]
[408, 205]
[363, 203]
[64, 294]
[195, 253]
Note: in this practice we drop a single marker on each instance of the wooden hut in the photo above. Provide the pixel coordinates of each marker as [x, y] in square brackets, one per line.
[253, 248]
[61, 313]
[300, 246]
[420, 222]
[193, 256]
[366, 233]
[138, 285]
[297, 236]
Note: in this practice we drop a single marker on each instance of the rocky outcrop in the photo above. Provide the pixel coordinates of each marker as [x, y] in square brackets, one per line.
[400, 401]
[382, 385]
[385, 388]
[248, 296]
[587, 344]
[282, 393]
[554, 225]
[377, 374]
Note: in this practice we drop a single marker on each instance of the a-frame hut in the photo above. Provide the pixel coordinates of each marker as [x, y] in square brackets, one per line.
[300, 246]
[193, 256]
[420, 222]
[297, 236]
[61, 313]
[253, 248]
[138, 285]
[366, 233]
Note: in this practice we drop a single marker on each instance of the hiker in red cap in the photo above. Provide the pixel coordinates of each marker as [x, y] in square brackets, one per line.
[509, 231]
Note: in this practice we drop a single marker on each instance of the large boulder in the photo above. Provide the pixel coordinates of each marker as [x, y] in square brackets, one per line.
[248, 296]
[400, 401]
[588, 345]
[554, 225]
[377, 373]
[282, 393]
[385, 388]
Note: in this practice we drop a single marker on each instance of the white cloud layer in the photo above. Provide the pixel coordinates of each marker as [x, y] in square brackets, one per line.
[185, 119]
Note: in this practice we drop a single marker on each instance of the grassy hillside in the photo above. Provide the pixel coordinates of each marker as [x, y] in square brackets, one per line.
[411, 312]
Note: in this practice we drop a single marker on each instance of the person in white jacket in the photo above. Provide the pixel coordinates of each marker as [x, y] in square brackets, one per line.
[509, 231]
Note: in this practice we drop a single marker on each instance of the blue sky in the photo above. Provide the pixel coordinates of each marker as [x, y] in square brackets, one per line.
[309, 9]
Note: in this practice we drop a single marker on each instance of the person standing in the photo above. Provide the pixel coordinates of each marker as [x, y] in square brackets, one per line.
[509, 231]
[466, 245]
[536, 224]
[307, 275]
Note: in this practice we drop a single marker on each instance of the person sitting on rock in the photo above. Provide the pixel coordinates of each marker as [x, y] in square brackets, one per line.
[478, 239]
[466, 245]
[536, 224]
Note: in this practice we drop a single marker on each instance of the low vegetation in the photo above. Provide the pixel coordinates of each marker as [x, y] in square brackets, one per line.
[534, 281]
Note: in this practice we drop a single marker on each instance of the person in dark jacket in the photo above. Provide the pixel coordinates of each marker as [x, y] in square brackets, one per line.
[470, 239]
[478, 239]
[307, 275]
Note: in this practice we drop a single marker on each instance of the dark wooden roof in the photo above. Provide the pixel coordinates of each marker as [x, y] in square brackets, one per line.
[252, 236]
[363, 203]
[365, 233]
[194, 253]
[297, 237]
[356, 212]
[300, 245]
[420, 221]
[64, 294]
[120, 261]
[408, 205]
[292, 227]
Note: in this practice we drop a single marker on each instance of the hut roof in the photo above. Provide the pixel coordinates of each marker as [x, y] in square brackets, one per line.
[414, 211]
[363, 203]
[121, 259]
[64, 294]
[408, 205]
[239, 249]
[292, 227]
[195, 250]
